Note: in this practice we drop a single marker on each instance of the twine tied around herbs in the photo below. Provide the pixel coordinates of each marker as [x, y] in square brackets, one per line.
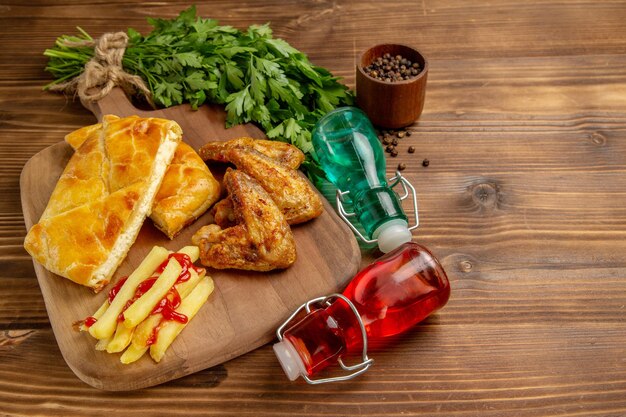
[104, 71]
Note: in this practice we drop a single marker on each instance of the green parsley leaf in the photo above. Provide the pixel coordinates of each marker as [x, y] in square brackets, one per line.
[191, 59]
[234, 75]
[196, 81]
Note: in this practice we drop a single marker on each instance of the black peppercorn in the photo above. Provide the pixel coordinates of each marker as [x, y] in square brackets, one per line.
[425, 163]
[411, 149]
[391, 68]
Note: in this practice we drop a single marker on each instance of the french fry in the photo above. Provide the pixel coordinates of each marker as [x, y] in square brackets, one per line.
[106, 325]
[189, 307]
[185, 288]
[132, 335]
[121, 340]
[102, 344]
[96, 315]
[132, 354]
[142, 307]
[192, 251]
[144, 330]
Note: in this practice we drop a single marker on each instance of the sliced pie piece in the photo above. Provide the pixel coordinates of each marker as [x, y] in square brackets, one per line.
[76, 138]
[187, 191]
[102, 198]
[87, 243]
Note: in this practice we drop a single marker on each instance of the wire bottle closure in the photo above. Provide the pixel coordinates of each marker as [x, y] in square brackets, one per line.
[398, 179]
[355, 370]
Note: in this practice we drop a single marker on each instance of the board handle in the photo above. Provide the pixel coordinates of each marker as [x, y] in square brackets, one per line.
[116, 102]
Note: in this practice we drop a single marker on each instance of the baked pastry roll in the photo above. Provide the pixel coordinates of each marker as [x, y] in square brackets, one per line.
[102, 198]
[187, 191]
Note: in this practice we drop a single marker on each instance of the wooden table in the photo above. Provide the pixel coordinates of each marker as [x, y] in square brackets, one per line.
[524, 202]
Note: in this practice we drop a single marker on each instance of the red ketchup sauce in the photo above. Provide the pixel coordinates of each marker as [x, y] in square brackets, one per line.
[167, 305]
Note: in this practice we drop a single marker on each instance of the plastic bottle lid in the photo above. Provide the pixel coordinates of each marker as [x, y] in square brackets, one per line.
[392, 234]
[289, 359]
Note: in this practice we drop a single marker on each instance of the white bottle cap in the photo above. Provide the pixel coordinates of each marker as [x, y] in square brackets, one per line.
[289, 359]
[392, 234]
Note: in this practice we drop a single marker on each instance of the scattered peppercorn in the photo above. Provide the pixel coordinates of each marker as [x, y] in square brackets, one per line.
[390, 148]
[393, 152]
[401, 134]
[394, 142]
[389, 68]
[408, 133]
[411, 149]
[386, 141]
[401, 166]
[425, 163]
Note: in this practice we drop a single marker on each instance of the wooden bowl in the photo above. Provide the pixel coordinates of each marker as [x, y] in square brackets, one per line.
[395, 104]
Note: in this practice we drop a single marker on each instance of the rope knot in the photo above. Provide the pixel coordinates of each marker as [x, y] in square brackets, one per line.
[104, 71]
[111, 47]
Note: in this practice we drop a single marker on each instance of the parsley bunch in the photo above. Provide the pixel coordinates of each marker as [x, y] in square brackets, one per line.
[259, 78]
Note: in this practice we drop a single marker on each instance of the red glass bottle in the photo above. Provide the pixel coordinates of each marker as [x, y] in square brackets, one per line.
[391, 295]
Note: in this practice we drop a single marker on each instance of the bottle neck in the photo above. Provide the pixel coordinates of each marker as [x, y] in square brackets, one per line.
[376, 206]
[390, 296]
[319, 339]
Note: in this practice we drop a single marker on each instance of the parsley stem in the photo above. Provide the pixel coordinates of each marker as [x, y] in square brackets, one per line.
[259, 78]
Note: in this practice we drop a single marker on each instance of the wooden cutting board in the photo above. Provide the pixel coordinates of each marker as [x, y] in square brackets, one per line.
[244, 310]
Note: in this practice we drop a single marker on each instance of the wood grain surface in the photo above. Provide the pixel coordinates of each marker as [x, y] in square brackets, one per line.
[246, 307]
[524, 202]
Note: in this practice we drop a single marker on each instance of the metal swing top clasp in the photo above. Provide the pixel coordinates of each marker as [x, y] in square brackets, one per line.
[355, 370]
[394, 181]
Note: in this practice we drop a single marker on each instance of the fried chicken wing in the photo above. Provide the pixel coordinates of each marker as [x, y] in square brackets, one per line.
[261, 240]
[285, 153]
[223, 213]
[291, 192]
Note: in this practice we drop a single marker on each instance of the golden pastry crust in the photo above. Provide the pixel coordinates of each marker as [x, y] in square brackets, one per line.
[79, 136]
[74, 244]
[188, 188]
[131, 144]
[84, 179]
[187, 191]
[76, 138]
[102, 198]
